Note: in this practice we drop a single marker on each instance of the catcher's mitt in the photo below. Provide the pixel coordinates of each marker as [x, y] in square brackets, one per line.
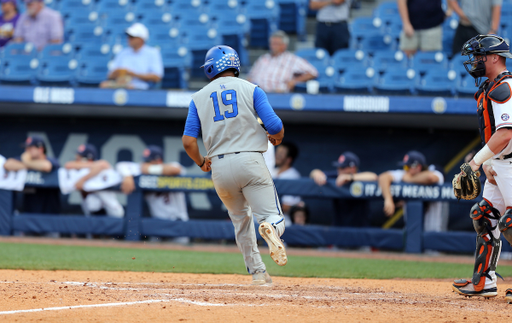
[466, 184]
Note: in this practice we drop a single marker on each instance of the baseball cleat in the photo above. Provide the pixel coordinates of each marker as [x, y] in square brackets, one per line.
[508, 295]
[277, 250]
[466, 288]
[261, 278]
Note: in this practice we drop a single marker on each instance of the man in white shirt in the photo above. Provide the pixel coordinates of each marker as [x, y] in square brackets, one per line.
[137, 66]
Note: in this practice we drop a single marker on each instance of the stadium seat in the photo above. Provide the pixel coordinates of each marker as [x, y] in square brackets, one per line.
[425, 61]
[188, 19]
[199, 40]
[92, 52]
[57, 52]
[292, 17]
[18, 69]
[67, 5]
[355, 80]
[387, 60]
[314, 55]
[387, 11]
[326, 78]
[234, 33]
[437, 82]
[396, 81]
[54, 4]
[165, 35]
[187, 5]
[264, 17]
[111, 6]
[465, 86]
[81, 35]
[345, 58]
[376, 42]
[227, 8]
[80, 17]
[361, 27]
[457, 65]
[120, 19]
[57, 72]
[175, 60]
[19, 49]
[91, 72]
[156, 19]
[143, 6]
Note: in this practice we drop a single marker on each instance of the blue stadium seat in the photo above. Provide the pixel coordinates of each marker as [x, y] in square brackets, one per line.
[188, 19]
[354, 80]
[396, 81]
[19, 49]
[361, 27]
[386, 60]
[465, 86]
[292, 17]
[175, 60]
[156, 19]
[344, 58]
[264, 16]
[54, 4]
[187, 5]
[18, 69]
[57, 51]
[326, 78]
[227, 8]
[234, 33]
[437, 82]
[387, 11]
[376, 42]
[314, 55]
[142, 6]
[110, 6]
[80, 17]
[67, 5]
[57, 72]
[425, 61]
[81, 35]
[120, 19]
[165, 35]
[456, 64]
[199, 40]
[93, 52]
[91, 72]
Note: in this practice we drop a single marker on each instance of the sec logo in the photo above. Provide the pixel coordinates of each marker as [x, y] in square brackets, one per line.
[505, 117]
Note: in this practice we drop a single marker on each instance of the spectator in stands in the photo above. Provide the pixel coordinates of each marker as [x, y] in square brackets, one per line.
[415, 171]
[137, 66]
[331, 28]
[99, 202]
[162, 205]
[347, 212]
[8, 20]
[422, 26]
[286, 154]
[299, 214]
[280, 70]
[39, 25]
[37, 200]
[475, 17]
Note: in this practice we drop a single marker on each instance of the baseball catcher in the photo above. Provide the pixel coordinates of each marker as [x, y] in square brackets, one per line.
[492, 216]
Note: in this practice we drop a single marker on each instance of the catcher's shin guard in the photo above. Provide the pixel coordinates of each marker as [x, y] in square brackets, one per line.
[487, 248]
[505, 225]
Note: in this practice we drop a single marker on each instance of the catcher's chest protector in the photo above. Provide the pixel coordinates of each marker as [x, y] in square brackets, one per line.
[496, 91]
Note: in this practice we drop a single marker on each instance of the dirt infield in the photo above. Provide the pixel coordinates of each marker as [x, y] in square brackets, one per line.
[72, 296]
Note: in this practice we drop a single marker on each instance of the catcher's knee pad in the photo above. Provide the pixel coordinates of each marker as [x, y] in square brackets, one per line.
[505, 225]
[482, 213]
[487, 253]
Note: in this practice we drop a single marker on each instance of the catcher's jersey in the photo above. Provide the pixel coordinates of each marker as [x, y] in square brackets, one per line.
[228, 118]
[502, 118]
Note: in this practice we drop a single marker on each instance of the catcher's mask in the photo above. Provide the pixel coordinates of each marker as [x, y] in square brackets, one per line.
[477, 49]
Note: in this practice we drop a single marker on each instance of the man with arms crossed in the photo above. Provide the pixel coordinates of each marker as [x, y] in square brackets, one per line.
[226, 112]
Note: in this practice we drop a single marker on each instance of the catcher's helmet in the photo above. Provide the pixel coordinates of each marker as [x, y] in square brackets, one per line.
[477, 49]
[219, 59]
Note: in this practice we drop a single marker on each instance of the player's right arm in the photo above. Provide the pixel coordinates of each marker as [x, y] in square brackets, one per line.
[272, 122]
[385, 180]
[189, 139]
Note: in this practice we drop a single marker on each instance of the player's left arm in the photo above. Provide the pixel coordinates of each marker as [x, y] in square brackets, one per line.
[502, 107]
[189, 139]
[95, 168]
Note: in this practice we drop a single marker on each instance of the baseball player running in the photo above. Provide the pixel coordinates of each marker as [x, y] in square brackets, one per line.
[226, 112]
[492, 215]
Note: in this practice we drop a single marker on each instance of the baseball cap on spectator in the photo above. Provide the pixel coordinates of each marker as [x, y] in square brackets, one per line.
[152, 152]
[413, 157]
[347, 159]
[35, 141]
[138, 30]
[87, 151]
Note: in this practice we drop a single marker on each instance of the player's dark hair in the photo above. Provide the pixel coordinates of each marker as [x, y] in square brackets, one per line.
[292, 150]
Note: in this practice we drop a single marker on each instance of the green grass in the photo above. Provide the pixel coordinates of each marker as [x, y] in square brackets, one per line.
[50, 257]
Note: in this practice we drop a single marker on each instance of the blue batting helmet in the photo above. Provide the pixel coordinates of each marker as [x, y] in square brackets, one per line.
[219, 59]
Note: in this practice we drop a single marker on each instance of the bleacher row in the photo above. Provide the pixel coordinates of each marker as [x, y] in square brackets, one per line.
[389, 72]
[185, 29]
